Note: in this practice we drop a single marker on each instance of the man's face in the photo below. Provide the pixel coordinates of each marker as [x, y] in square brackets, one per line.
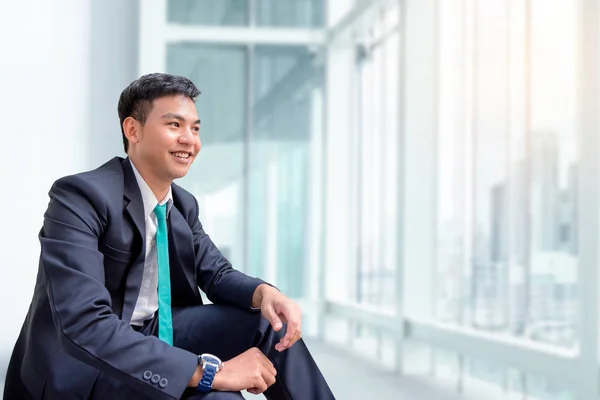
[170, 139]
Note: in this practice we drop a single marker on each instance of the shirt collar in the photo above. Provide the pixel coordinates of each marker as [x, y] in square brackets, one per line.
[148, 197]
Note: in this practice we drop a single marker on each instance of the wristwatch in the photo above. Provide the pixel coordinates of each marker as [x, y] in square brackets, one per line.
[210, 366]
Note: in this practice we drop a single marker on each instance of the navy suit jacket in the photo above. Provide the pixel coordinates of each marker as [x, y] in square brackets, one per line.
[89, 277]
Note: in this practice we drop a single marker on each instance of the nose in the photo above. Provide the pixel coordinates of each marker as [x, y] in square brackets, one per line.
[187, 136]
[191, 139]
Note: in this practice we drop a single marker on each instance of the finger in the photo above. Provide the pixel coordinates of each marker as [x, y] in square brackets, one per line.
[268, 376]
[284, 310]
[296, 337]
[280, 347]
[265, 362]
[271, 316]
[257, 390]
[268, 365]
[259, 385]
[291, 329]
[269, 380]
[262, 386]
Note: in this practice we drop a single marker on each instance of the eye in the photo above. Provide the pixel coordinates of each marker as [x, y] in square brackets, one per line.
[175, 124]
[196, 129]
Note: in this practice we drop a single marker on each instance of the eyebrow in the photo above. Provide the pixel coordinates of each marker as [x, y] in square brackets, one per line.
[177, 117]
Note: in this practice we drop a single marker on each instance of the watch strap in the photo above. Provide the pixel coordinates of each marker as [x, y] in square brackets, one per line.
[208, 375]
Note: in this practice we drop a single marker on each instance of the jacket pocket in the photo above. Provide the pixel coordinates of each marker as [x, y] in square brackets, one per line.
[116, 254]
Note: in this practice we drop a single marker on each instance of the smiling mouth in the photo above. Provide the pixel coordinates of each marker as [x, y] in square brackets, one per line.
[182, 155]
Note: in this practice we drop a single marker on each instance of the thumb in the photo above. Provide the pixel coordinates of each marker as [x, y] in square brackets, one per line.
[272, 317]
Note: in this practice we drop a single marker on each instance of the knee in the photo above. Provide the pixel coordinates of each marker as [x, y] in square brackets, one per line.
[267, 328]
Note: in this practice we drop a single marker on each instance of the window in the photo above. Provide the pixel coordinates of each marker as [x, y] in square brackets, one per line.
[290, 13]
[376, 165]
[507, 226]
[254, 177]
[266, 13]
[209, 12]
[217, 178]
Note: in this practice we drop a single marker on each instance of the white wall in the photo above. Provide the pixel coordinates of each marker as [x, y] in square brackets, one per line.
[54, 108]
[44, 111]
[113, 65]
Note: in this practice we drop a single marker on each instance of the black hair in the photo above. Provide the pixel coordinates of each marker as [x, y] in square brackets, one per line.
[136, 99]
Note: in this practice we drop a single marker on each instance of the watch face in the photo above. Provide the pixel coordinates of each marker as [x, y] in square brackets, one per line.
[209, 358]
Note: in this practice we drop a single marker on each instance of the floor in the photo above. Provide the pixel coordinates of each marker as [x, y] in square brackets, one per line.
[345, 373]
[351, 379]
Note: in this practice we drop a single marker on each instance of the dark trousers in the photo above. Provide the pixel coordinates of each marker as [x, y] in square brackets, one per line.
[227, 331]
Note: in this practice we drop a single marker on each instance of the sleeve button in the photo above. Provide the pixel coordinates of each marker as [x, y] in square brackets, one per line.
[163, 383]
[155, 378]
[147, 375]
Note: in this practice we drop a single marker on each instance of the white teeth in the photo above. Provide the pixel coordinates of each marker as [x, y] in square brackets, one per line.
[181, 155]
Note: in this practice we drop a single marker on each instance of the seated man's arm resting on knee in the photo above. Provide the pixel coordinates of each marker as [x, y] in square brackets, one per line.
[224, 285]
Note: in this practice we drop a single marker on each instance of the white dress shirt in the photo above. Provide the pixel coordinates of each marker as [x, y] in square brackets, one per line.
[147, 302]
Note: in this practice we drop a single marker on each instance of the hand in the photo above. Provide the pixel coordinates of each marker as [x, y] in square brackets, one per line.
[279, 309]
[250, 371]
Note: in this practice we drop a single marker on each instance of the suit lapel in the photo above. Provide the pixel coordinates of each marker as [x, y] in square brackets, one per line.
[133, 198]
[181, 248]
[181, 256]
[134, 207]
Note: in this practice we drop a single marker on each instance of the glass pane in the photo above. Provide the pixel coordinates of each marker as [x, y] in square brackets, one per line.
[518, 211]
[454, 202]
[217, 177]
[290, 13]
[376, 171]
[284, 86]
[292, 215]
[219, 72]
[489, 268]
[208, 12]
[553, 154]
[260, 221]
[507, 250]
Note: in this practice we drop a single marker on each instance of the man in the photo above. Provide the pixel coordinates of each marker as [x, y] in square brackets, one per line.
[117, 312]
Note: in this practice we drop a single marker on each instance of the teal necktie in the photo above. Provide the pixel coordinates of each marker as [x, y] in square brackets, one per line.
[165, 320]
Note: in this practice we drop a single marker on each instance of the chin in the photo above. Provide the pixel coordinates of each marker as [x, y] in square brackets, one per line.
[179, 173]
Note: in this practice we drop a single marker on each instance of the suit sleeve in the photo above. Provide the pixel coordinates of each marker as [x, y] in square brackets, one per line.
[216, 277]
[81, 307]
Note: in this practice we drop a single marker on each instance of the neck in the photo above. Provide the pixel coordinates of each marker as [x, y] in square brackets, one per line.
[159, 187]
[159, 191]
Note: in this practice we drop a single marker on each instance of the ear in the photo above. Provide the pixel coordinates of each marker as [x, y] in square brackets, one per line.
[132, 129]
